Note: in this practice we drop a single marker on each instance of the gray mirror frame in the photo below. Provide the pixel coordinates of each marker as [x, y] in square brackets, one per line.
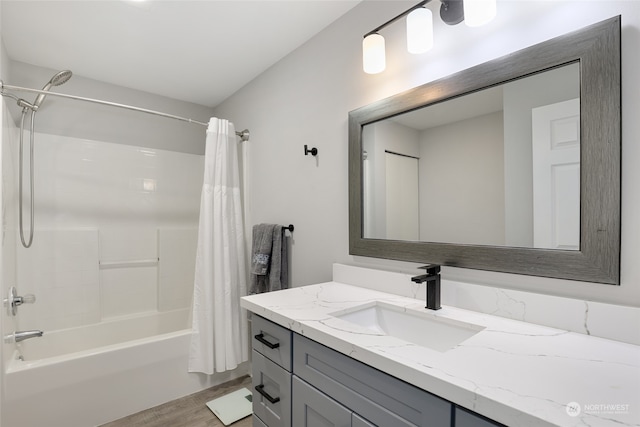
[598, 50]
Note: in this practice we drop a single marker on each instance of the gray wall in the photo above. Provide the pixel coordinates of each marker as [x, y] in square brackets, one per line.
[520, 97]
[58, 116]
[462, 182]
[305, 99]
[378, 138]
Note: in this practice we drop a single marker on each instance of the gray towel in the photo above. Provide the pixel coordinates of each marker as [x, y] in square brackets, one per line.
[269, 259]
[262, 244]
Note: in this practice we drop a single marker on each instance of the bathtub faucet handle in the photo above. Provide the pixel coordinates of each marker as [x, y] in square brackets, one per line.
[26, 299]
[13, 301]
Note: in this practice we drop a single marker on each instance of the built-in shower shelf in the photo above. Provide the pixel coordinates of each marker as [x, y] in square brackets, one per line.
[105, 265]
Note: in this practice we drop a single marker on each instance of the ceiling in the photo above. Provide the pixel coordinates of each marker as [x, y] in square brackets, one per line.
[454, 110]
[195, 51]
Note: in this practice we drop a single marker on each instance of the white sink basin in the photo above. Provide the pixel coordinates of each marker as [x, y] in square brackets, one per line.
[419, 327]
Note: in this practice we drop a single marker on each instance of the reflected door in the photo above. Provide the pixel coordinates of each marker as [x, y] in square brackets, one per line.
[402, 200]
[556, 175]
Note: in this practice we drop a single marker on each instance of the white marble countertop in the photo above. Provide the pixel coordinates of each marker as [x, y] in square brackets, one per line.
[516, 373]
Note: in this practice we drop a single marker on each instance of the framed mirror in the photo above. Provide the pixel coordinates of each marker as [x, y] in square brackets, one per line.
[512, 165]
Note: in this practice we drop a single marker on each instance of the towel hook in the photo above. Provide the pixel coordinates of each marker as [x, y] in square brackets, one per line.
[289, 227]
[313, 151]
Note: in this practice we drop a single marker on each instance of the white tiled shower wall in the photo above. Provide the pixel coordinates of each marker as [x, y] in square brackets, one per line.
[116, 232]
[9, 190]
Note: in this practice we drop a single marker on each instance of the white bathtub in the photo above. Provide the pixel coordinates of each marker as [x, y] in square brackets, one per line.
[92, 375]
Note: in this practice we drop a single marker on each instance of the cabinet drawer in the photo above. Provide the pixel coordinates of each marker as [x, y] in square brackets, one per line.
[271, 392]
[312, 408]
[378, 397]
[469, 419]
[271, 340]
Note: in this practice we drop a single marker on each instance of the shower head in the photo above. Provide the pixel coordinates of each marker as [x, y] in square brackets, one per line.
[60, 78]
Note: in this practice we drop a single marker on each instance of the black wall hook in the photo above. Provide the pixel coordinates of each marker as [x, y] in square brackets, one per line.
[313, 151]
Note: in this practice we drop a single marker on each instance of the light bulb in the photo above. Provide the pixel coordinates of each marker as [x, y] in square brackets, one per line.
[373, 56]
[419, 30]
[479, 12]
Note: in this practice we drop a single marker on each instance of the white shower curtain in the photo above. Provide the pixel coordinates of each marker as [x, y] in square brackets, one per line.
[219, 339]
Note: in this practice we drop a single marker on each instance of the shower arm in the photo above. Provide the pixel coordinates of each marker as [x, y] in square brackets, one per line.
[244, 134]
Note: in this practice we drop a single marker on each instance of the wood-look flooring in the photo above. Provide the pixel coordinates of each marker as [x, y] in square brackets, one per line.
[188, 411]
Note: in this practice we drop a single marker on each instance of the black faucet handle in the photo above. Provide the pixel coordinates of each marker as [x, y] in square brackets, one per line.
[431, 269]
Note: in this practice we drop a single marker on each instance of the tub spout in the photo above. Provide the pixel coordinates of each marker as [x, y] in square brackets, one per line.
[25, 335]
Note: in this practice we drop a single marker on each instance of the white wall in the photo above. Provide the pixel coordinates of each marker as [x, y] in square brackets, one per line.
[305, 99]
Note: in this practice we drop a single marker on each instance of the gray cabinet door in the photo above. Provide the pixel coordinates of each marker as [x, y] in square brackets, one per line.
[272, 392]
[358, 421]
[312, 408]
[378, 397]
[469, 419]
[257, 422]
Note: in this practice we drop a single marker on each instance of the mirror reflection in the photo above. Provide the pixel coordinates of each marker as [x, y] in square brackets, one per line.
[498, 167]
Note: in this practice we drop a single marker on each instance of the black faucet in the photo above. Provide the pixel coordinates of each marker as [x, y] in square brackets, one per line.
[433, 285]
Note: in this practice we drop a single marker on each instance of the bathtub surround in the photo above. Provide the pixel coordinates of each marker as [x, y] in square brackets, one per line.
[111, 244]
[84, 276]
[9, 134]
[93, 386]
[219, 341]
[6, 173]
[114, 258]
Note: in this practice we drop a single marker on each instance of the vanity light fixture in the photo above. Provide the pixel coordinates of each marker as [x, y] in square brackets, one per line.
[420, 28]
[373, 57]
[479, 12]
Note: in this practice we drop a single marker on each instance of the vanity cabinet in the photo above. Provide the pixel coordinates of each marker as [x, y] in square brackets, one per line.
[312, 408]
[381, 399]
[257, 422]
[315, 386]
[357, 421]
[465, 418]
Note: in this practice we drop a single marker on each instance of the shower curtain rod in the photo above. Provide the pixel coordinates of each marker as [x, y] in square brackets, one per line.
[244, 134]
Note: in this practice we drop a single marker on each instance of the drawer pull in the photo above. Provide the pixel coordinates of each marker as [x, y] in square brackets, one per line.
[260, 337]
[260, 389]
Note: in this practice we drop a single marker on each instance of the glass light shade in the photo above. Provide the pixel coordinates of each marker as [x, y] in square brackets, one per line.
[373, 56]
[419, 30]
[479, 12]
